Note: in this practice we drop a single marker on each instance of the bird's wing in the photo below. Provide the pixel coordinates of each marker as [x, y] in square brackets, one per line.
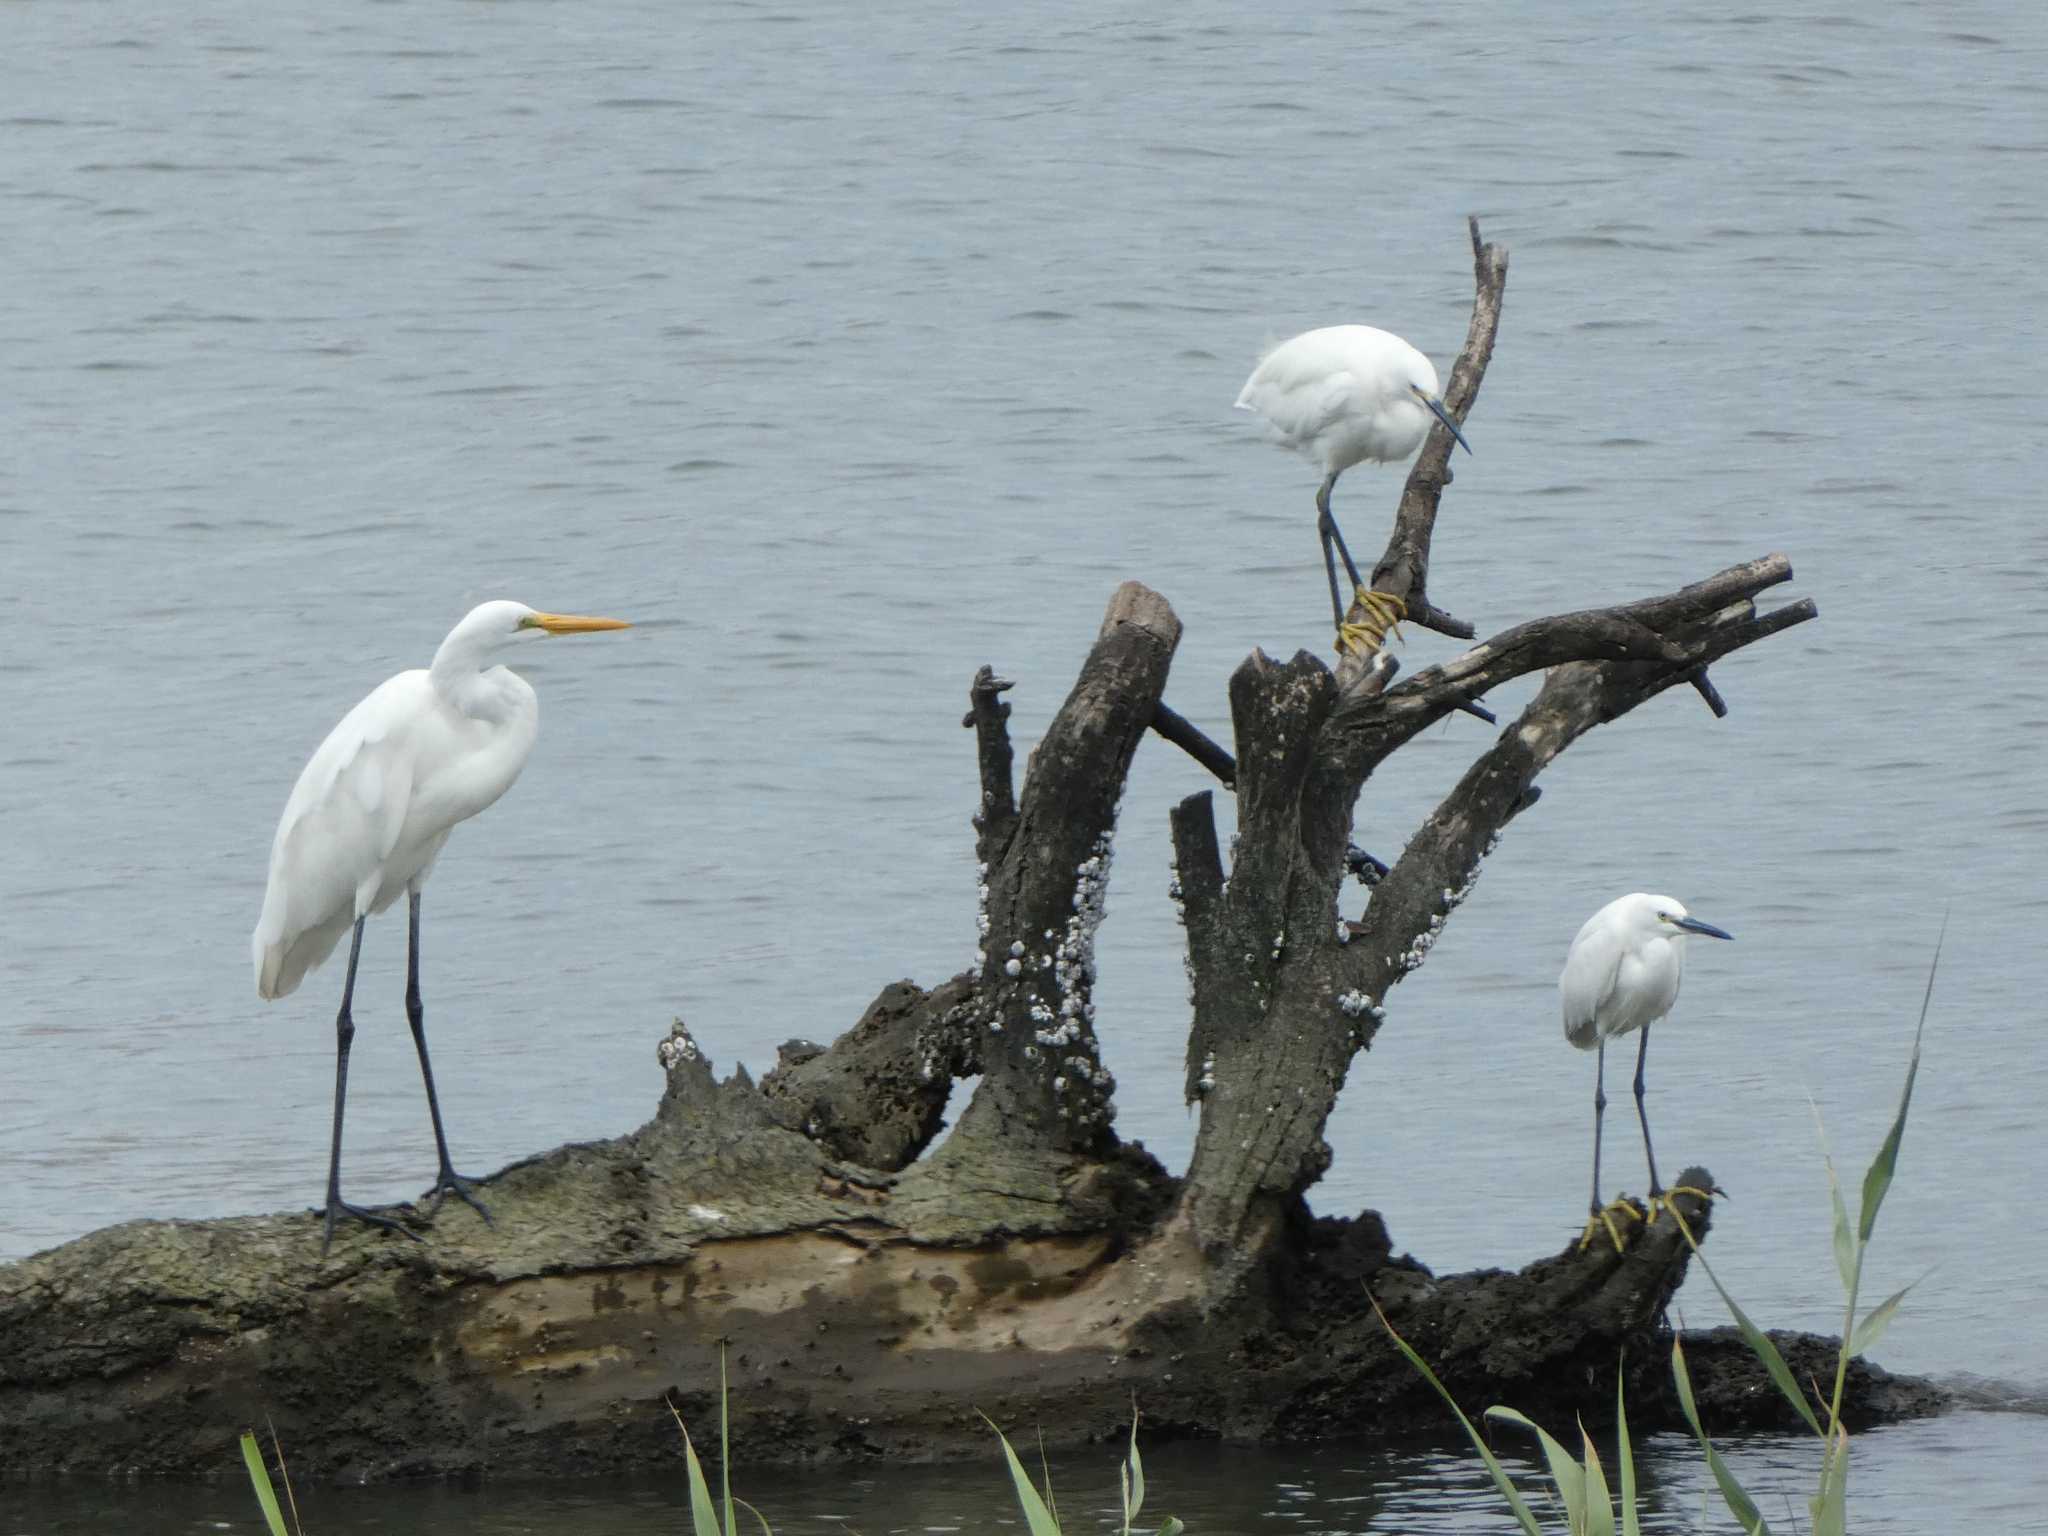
[341, 823]
[1300, 401]
[1587, 983]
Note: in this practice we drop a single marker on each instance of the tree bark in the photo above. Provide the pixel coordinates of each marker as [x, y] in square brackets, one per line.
[878, 1292]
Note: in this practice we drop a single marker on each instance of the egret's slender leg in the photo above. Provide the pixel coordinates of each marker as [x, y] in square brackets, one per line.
[1658, 1194]
[1326, 524]
[1656, 1184]
[1384, 611]
[1326, 529]
[1599, 1111]
[448, 1181]
[1603, 1215]
[344, 1035]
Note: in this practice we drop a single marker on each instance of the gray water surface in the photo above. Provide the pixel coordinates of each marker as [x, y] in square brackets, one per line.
[846, 348]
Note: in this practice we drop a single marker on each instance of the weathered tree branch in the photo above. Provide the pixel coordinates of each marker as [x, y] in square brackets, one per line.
[877, 1095]
[1639, 631]
[1043, 1084]
[1185, 734]
[988, 716]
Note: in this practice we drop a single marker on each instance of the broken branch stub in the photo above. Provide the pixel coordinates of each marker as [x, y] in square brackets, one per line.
[1043, 1083]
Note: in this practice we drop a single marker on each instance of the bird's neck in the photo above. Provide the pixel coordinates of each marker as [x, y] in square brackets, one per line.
[459, 676]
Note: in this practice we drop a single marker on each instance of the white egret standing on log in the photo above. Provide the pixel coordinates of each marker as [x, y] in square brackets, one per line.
[1343, 395]
[369, 815]
[1622, 975]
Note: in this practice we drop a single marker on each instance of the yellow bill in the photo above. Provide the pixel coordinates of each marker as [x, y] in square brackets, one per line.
[573, 623]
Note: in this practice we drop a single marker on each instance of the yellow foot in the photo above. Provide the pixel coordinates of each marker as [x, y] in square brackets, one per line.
[1623, 1208]
[1663, 1198]
[1383, 615]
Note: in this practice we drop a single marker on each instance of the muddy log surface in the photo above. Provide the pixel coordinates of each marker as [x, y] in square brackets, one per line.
[867, 1314]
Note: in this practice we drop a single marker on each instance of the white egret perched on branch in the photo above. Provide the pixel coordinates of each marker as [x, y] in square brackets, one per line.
[1622, 975]
[1343, 395]
[369, 815]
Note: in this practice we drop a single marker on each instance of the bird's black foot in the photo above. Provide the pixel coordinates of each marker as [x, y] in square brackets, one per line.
[452, 1183]
[336, 1206]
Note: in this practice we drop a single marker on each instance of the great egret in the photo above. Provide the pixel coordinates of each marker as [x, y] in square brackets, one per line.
[368, 817]
[1342, 395]
[1622, 974]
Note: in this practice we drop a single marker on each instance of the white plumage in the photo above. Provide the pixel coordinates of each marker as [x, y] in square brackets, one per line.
[373, 807]
[1344, 394]
[1621, 976]
[354, 834]
[1623, 970]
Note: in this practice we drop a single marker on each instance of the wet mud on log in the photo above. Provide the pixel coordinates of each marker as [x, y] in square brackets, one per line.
[865, 1315]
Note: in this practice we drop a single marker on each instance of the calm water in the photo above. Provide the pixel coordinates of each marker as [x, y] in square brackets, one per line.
[846, 348]
[1328, 1490]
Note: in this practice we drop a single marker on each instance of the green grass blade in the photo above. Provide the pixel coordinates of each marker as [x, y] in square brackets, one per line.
[725, 1444]
[1878, 1180]
[1739, 1503]
[1624, 1456]
[1599, 1502]
[1875, 1321]
[1501, 1481]
[1830, 1507]
[1133, 1478]
[1565, 1470]
[763, 1519]
[1052, 1502]
[1172, 1527]
[1037, 1517]
[703, 1516]
[259, 1480]
[1845, 1237]
[1758, 1341]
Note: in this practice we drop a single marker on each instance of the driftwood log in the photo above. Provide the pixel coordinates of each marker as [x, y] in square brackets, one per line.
[874, 1297]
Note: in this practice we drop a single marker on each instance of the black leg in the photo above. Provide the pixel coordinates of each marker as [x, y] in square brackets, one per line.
[1599, 1109]
[1643, 1050]
[448, 1181]
[1326, 526]
[1326, 530]
[344, 1035]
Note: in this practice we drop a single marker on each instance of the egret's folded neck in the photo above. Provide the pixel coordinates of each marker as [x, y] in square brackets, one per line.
[459, 674]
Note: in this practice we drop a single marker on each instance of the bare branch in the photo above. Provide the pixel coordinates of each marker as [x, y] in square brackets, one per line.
[1668, 629]
[877, 1095]
[1043, 1085]
[988, 716]
[1441, 861]
[1198, 888]
[1185, 734]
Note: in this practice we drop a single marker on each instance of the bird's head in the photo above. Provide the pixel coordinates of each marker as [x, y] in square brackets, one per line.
[489, 627]
[1422, 387]
[1661, 914]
